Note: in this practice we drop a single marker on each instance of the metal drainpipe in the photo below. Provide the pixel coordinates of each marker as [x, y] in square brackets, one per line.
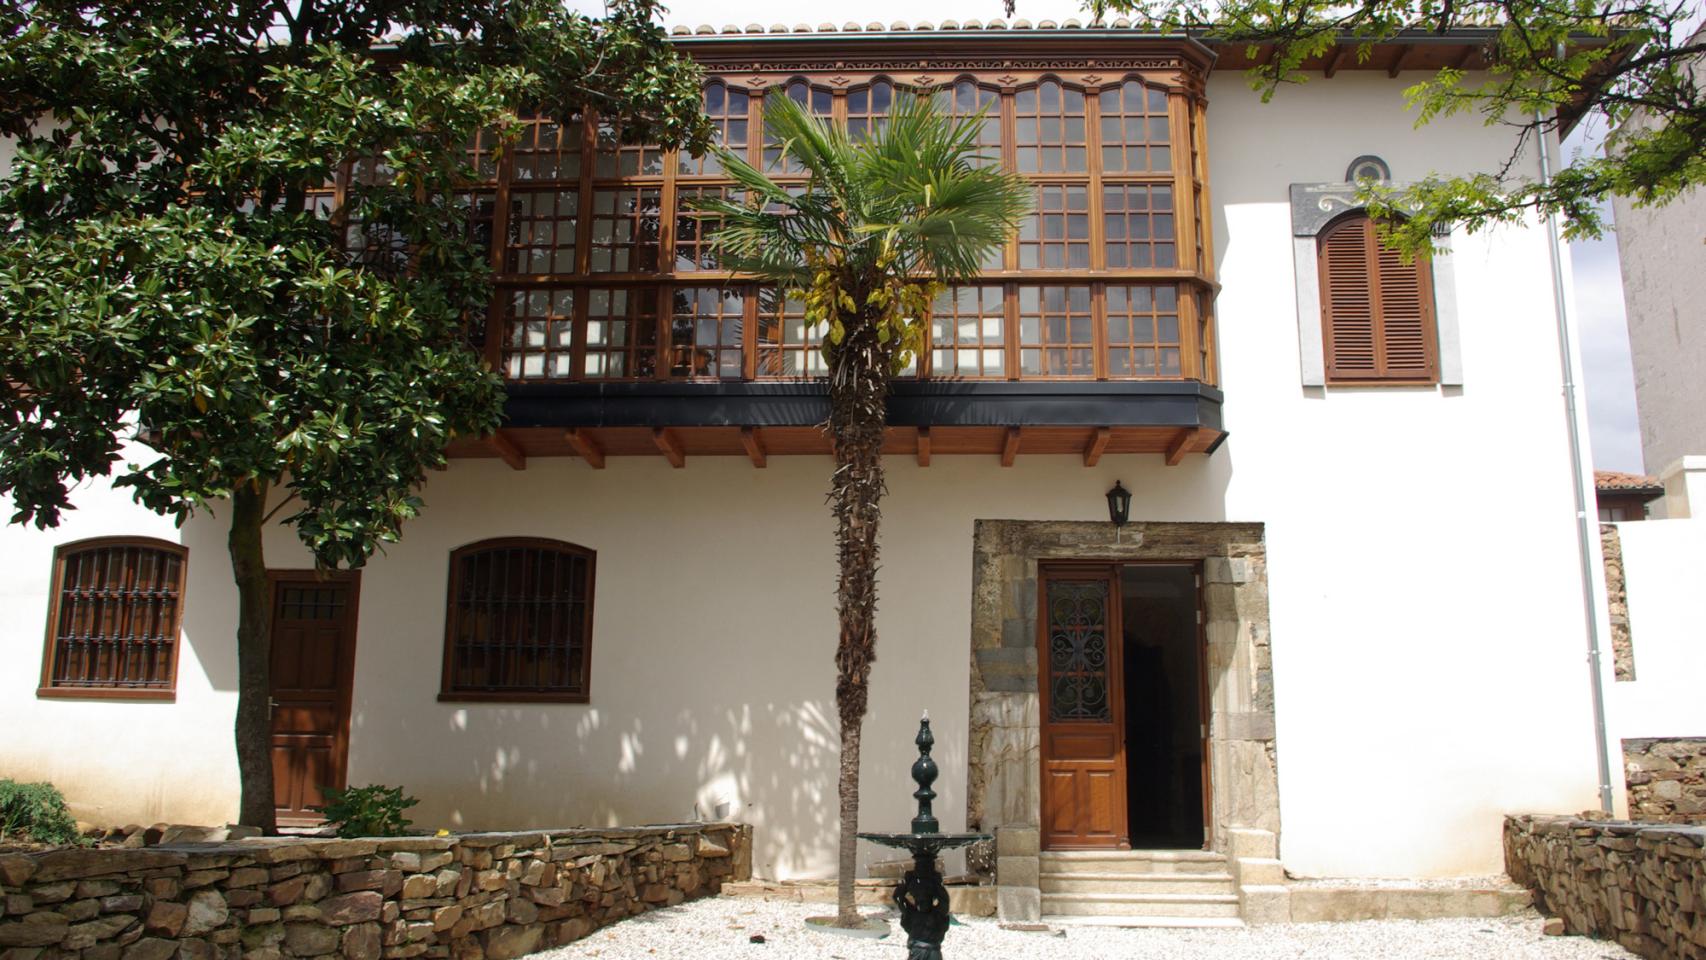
[1584, 531]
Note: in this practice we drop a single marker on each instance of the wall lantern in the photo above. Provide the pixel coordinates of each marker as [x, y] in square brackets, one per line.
[1119, 504]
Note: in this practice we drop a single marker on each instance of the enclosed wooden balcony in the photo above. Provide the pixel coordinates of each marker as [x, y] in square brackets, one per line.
[1091, 333]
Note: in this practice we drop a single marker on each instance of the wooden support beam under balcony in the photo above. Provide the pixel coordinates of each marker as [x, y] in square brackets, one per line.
[507, 451]
[1188, 441]
[670, 446]
[1099, 439]
[754, 445]
[588, 448]
[1010, 447]
[924, 444]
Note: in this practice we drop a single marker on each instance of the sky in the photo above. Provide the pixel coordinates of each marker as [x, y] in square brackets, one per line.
[1609, 379]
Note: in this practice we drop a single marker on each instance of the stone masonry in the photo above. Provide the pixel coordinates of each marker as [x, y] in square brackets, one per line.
[1666, 779]
[1004, 791]
[1639, 884]
[1617, 602]
[494, 896]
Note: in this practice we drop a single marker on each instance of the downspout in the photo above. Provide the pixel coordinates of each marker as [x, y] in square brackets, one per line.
[1584, 528]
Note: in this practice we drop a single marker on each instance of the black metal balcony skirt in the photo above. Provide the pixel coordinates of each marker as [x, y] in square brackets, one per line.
[912, 404]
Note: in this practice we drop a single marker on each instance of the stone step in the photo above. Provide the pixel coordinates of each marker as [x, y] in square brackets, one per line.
[1132, 861]
[1138, 883]
[1171, 905]
[1142, 922]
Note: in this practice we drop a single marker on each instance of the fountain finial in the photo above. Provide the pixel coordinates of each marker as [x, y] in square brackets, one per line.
[924, 774]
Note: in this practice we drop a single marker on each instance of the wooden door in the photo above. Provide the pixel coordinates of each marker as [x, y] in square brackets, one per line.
[313, 672]
[1083, 710]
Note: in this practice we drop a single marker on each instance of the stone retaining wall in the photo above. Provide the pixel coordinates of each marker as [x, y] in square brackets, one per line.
[1666, 779]
[1639, 884]
[492, 896]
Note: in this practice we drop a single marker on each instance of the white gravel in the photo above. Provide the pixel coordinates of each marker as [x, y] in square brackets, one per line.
[720, 928]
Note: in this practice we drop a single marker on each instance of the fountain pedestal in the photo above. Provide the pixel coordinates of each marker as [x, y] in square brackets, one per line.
[922, 897]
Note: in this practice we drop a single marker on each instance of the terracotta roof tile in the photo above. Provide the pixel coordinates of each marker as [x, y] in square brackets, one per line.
[1609, 481]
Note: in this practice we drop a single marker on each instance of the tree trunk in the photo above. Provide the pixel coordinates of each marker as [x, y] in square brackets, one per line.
[254, 658]
[858, 396]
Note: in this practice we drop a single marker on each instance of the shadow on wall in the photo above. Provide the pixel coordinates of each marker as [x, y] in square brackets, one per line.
[773, 765]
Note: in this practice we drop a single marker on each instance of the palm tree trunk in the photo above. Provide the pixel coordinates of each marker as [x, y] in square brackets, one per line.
[858, 398]
[255, 807]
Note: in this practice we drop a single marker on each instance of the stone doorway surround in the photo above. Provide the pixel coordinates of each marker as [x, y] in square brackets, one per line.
[1003, 782]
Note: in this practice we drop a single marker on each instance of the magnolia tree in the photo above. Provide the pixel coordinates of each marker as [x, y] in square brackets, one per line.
[1633, 62]
[174, 274]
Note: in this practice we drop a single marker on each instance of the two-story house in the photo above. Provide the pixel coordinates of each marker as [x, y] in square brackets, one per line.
[1312, 649]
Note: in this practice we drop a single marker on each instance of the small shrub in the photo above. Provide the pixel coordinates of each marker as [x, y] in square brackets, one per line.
[371, 811]
[35, 811]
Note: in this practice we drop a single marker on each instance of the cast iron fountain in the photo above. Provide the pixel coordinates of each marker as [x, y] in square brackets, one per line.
[921, 896]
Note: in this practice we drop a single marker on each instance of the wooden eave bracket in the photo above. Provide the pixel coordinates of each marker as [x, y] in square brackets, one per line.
[507, 450]
[1333, 59]
[924, 446]
[587, 447]
[1098, 445]
[1187, 441]
[1398, 61]
[754, 445]
[670, 446]
[1010, 449]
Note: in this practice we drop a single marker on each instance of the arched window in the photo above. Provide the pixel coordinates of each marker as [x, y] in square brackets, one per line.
[1050, 128]
[113, 624]
[518, 624]
[868, 108]
[1135, 138]
[1377, 311]
[727, 108]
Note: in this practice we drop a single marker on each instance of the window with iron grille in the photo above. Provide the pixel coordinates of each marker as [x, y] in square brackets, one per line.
[519, 621]
[112, 629]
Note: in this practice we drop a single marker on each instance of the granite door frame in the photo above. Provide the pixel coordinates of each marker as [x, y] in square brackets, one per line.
[1003, 779]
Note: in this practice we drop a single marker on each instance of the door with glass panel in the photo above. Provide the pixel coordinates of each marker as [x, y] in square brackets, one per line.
[1083, 716]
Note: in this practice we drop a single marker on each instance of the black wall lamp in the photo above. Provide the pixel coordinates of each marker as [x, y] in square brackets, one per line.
[1119, 505]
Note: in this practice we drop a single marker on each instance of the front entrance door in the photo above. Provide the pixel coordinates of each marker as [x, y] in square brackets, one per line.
[1123, 700]
[1084, 788]
[313, 672]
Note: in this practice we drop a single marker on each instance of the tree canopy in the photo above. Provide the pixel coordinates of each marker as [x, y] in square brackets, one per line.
[180, 263]
[1631, 62]
[241, 235]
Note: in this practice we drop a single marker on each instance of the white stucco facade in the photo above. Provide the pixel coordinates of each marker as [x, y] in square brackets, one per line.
[1427, 650]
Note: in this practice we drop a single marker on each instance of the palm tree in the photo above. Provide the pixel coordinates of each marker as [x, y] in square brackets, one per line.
[882, 223]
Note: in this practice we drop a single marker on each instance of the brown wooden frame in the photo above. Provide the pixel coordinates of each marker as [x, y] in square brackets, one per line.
[1002, 64]
[1068, 569]
[346, 661]
[1083, 570]
[447, 695]
[1429, 318]
[167, 693]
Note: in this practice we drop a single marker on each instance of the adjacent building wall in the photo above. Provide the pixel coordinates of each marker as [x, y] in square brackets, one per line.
[1400, 609]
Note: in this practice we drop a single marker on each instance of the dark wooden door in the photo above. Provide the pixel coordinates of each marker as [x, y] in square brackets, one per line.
[1083, 713]
[313, 672]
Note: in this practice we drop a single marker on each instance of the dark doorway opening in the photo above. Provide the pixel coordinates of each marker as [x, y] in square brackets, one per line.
[1165, 729]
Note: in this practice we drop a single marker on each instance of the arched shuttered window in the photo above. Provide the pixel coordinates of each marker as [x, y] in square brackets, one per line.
[519, 621]
[1377, 311]
[112, 630]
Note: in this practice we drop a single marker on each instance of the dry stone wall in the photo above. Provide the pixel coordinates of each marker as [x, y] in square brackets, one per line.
[1639, 884]
[492, 896]
[1666, 779]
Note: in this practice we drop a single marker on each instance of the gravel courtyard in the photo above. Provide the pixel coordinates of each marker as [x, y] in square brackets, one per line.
[720, 929]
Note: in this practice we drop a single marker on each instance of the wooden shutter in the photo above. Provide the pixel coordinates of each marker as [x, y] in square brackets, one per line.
[1376, 310]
